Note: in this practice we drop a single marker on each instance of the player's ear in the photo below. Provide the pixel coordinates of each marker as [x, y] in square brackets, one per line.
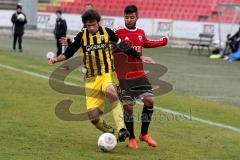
[137, 16]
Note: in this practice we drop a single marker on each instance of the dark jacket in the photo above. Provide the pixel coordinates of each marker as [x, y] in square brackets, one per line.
[60, 28]
[235, 41]
[18, 26]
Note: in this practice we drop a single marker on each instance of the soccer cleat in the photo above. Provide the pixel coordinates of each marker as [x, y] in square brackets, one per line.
[132, 143]
[147, 138]
[109, 128]
[122, 135]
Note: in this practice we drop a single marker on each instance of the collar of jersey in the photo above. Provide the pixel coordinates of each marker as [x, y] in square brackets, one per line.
[131, 30]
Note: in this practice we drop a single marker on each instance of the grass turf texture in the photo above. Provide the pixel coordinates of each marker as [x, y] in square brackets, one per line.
[29, 128]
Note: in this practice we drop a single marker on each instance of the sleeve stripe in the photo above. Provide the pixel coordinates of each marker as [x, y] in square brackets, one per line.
[119, 41]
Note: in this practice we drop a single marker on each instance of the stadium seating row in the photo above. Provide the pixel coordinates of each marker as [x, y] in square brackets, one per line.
[170, 9]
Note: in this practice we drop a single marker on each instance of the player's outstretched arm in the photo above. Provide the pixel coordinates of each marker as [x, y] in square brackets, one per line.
[155, 43]
[70, 50]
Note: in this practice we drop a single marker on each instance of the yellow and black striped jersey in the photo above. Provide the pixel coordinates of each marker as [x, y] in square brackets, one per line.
[96, 50]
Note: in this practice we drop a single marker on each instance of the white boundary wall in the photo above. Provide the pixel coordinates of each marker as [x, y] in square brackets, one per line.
[152, 27]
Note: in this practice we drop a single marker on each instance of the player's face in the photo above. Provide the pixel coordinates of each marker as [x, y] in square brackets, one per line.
[92, 26]
[58, 15]
[19, 10]
[130, 20]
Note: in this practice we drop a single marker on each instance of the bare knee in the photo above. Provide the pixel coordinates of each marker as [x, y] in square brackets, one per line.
[128, 109]
[148, 101]
[112, 94]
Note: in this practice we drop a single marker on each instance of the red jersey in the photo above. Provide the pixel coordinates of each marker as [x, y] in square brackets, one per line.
[137, 39]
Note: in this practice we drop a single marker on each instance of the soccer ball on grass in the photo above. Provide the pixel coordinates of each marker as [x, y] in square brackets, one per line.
[107, 142]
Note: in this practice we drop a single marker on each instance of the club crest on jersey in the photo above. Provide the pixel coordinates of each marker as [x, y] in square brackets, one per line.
[126, 39]
[102, 37]
[140, 38]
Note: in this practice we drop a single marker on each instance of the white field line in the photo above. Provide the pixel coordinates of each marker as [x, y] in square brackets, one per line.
[201, 120]
[31, 73]
[220, 125]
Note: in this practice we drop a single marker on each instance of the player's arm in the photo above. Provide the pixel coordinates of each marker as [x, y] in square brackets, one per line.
[14, 18]
[122, 46]
[235, 36]
[155, 43]
[70, 50]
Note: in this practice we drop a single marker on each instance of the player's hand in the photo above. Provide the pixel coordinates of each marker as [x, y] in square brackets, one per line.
[147, 59]
[51, 61]
[167, 36]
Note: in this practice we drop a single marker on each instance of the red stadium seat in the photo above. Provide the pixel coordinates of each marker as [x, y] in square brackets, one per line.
[170, 9]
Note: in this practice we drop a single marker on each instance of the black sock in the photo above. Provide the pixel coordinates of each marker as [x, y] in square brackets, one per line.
[146, 119]
[128, 119]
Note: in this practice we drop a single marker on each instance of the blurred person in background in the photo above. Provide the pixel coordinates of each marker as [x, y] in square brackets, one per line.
[60, 30]
[231, 51]
[18, 19]
[88, 6]
[232, 44]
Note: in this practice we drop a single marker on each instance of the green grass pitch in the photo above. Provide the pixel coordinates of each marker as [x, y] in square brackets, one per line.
[29, 128]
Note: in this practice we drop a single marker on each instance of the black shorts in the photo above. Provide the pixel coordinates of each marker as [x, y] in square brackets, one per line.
[132, 89]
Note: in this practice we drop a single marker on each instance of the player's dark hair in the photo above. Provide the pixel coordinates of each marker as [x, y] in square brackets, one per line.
[59, 11]
[131, 9]
[91, 15]
[19, 6]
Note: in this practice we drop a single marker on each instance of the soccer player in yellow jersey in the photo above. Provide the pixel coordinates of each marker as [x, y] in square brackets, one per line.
[95, 43]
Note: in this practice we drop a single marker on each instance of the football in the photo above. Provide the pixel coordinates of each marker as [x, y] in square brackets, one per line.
[21, 17]
[107, 142]
[50, 55]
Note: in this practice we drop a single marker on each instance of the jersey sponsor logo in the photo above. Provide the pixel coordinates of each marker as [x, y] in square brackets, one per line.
[96, 47]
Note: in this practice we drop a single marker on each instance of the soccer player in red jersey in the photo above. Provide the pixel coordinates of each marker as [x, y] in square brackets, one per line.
[135, 85]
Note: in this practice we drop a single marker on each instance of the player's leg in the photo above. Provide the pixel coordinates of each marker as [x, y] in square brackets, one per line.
[14, 41]
[146, 114]
[20, 42]
[111, 93]
[128, 119]
[109, 88]
[96, 119]
[129, 122]
[146, 119]
[128, 101]
[143, 90]
[59, 46]
[95, 102]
